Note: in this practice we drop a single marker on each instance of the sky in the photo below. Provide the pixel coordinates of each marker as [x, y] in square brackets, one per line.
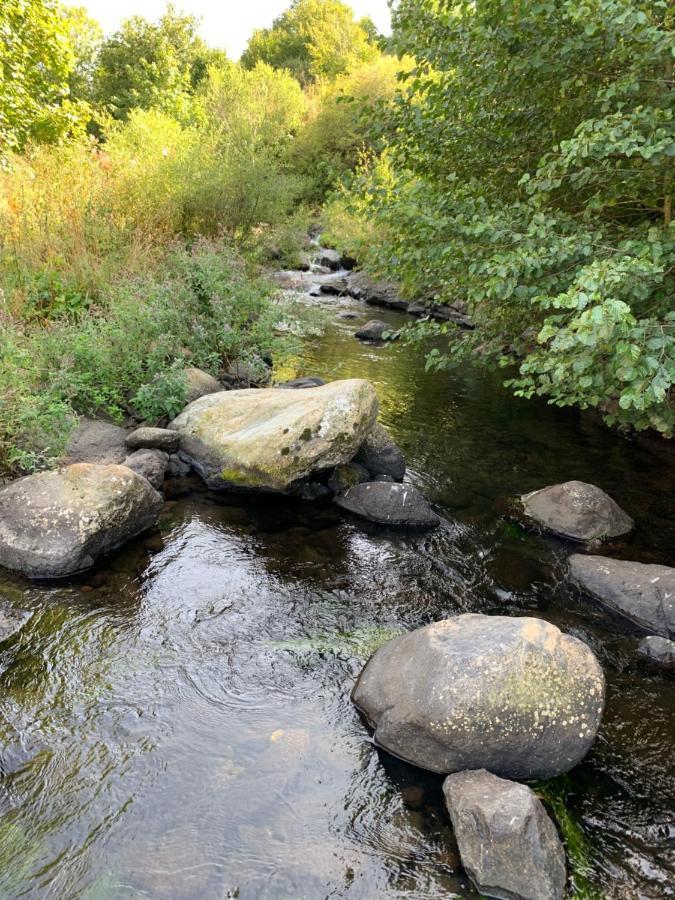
[225, 23]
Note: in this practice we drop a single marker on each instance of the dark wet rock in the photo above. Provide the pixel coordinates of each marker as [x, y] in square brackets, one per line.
[376, 293]
[97, 442]
[508, 845]
[349, 315]
[346, 476]
[58, 523]
[576, 510]
[336, 287]
[418, 309]
[267, 439]
[389, 504]
[331, 259]
[307, 381]
[153, 439]
[178, 468]
[387, 479]
[151, 464]
[659, 650]
[311, 490]
[11, 620]
[199, 384]
[380, 454]
[514, 696]
[643, 594]
[373, 331]
[455, 313]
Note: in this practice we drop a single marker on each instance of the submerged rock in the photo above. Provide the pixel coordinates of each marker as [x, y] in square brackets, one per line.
[306, 381]
[643, 594]
[11, 620]
[514, 696]
[199, 384]
[389, 504]
[267, 439]
[153, 439]
[151, 464]
[96, 442]
[659, 650]
[576, 510]
[373, 331]
[508, 845]
[380, 454]
[58, 523]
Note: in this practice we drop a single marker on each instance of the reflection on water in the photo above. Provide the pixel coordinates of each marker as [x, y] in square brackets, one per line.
[177, 724]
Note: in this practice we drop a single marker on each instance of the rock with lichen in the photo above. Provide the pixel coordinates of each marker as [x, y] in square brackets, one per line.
[514, 696]
[58, 523]
[267, 439]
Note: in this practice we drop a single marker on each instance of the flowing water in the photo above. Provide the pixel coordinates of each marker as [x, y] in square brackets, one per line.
[177, 724]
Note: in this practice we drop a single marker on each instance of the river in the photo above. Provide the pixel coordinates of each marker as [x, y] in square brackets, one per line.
[177, 724]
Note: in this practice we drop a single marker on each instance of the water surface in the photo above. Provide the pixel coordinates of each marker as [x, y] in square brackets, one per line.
[177, 723]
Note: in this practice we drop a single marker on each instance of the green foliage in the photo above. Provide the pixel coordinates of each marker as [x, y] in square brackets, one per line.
[531, 178]
[313, 39]
[347, 118]
[148, 65]
[36, 61]
[85, 37]
[198, 306]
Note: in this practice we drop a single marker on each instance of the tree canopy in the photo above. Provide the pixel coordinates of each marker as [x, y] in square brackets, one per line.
[313, 39]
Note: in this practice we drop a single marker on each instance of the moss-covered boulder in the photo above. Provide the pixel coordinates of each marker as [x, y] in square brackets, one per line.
[514, 696]
[268, 439]
[58, 523]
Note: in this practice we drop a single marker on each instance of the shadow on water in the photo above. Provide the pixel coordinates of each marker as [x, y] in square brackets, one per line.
[177, 723]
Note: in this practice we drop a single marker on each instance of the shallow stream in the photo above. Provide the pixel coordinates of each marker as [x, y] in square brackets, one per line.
[177, 724]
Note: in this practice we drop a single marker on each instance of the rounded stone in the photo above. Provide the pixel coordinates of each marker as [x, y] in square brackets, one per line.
[514, 696]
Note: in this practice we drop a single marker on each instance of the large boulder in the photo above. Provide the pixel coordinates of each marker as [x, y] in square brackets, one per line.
[380, 455]
[199, 384]
[576, 510]
[94, 441]
[514, 696]
[331, 259]
[643, 594]
[376, 293]
[388, 503]
[268, 439]
[58, 523]
[508, 845]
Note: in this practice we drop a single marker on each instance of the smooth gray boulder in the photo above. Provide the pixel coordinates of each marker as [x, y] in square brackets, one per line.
[153, 439]
[199, 384]
[514, 696]
[99, 442]
[151, 464]
[58, 523]
[389, 504]
[576, 510]
[643, 594]
[268, 439]
[508, 845]
[659, 650]
[373, 331]
[380, 454]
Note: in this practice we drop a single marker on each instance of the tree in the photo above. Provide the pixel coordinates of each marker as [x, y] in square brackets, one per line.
[532, 176]
[146, 65]
[313, 39]
[85, 38]
[35, 63]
